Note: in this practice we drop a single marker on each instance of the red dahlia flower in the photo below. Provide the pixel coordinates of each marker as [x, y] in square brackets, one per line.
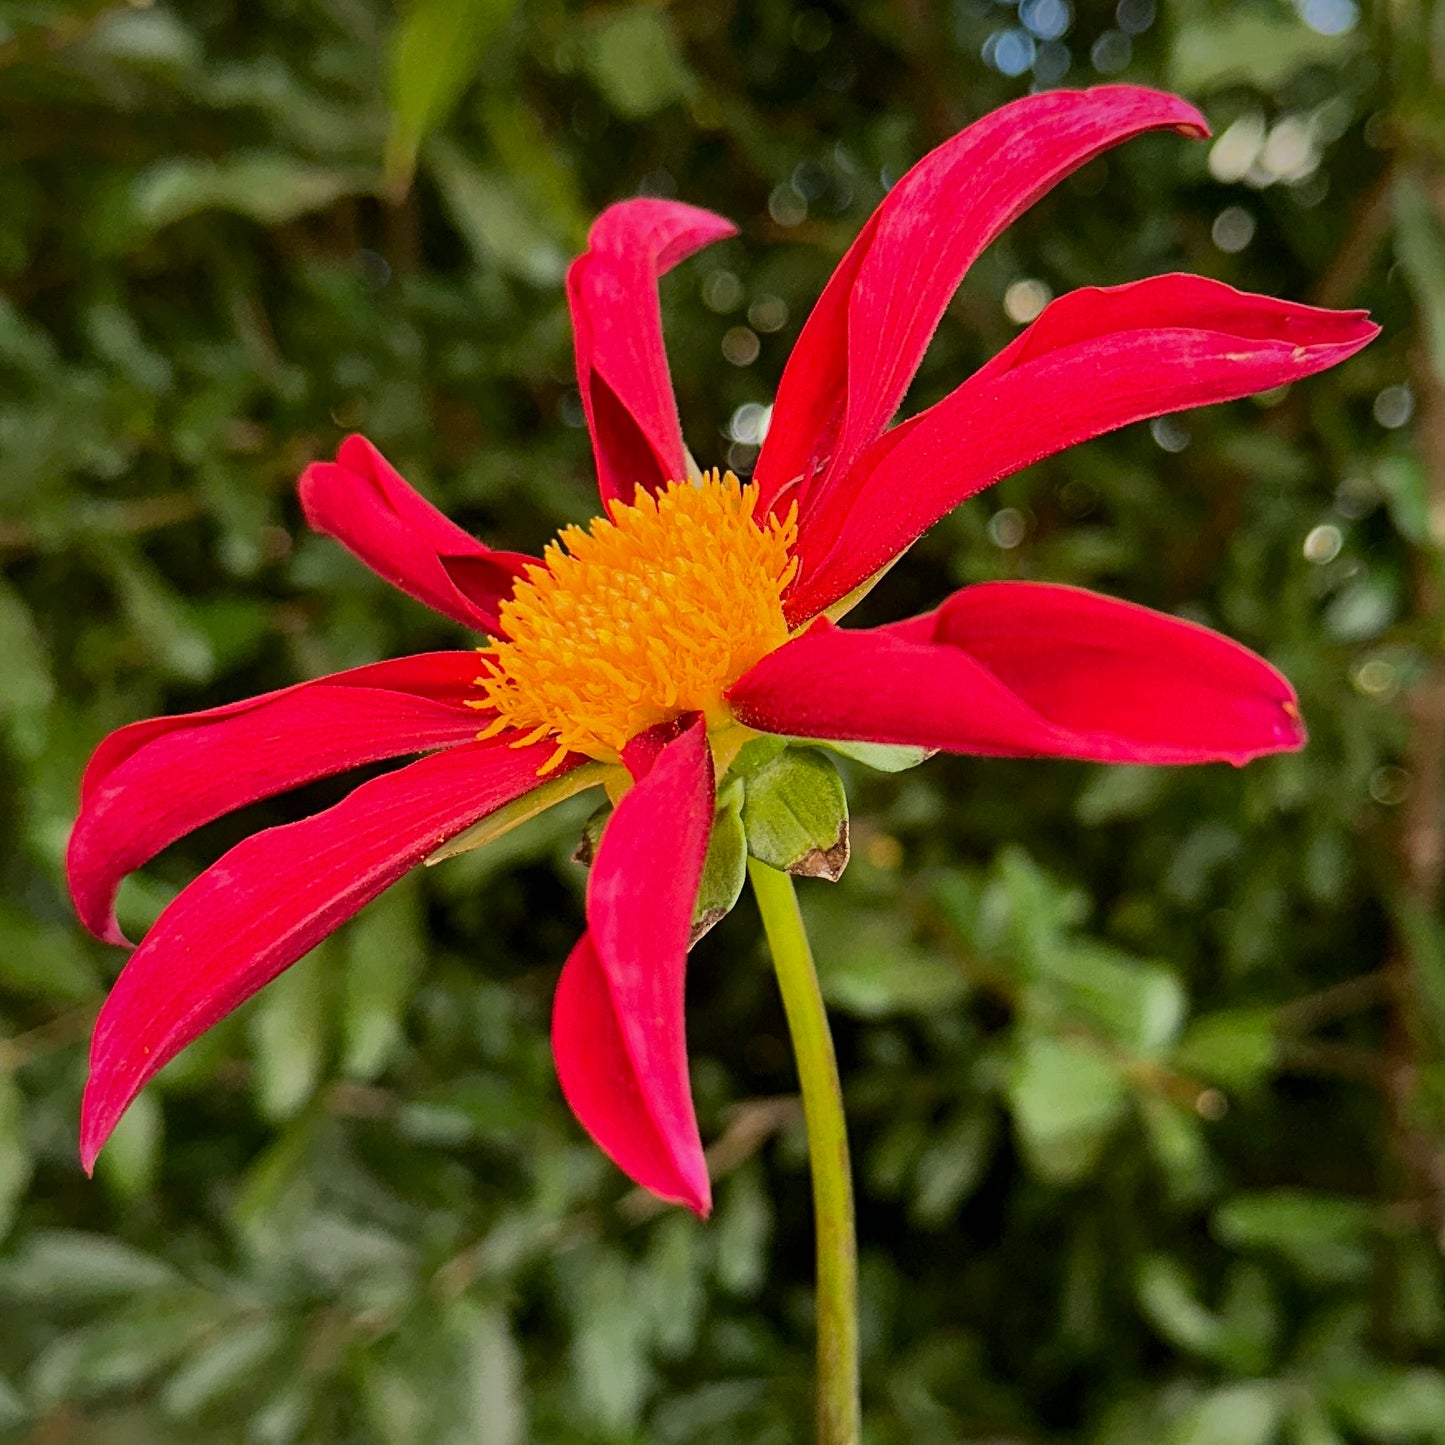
[699, 612]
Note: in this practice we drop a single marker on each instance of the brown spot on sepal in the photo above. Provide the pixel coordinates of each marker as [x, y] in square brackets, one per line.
[586, 851]
[704, 923]
[826, 863]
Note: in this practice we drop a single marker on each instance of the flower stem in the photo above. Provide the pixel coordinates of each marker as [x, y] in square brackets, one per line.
[838, 1410]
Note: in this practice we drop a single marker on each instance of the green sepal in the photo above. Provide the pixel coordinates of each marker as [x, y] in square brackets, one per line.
[725, 868]
[795, 812]
[881, 757]
[756, 753]
[591, 838]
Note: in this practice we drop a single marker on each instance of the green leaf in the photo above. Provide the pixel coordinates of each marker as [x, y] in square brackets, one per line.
[488, 1384]
[124, 1349]
[636, 63]
[492, 217]
[609, 1346]
[476, 1106]
[740, 1232]
[132, 1155]
[435, 52]
[1244, 1414]
[1175, 1136]
[70, 1266]
[1067, 1099]
[1422, 933]
[1249, 47]
[1240, 1336]
[1236, 1049]
[278, 1190]
[1420, 246]
[1326, 1237]
[674, 1283]
[1406, 485]
[161, 619]
[1309, 1425]
[383, 960]
[43, 960]
[1169, 1301]
[226, 1361]
[15, 1161]
[270, 187]
[795, 813]
[1139, 1005]
[12, 1407]
[1363, 609]
[870, 968]
[288, 1033]
[1120, 792]
[1393, 1404]
[952, 1166]
[29, 688]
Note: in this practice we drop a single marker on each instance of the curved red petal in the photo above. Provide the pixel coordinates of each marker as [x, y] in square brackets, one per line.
[364, 502]
[1095, 360]
[156, 781]
[617, 325]
[269, 900]
[1019, 669]
[442, 676]
[601, 1084]
[618, 1026]
[865, 338]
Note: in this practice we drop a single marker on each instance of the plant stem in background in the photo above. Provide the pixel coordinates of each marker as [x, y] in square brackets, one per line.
[837, 1248]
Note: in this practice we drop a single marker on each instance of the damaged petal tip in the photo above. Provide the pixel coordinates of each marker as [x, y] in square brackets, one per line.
[1294, 727]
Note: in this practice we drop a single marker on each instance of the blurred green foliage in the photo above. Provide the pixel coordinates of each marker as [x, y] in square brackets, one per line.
[1145, 1069]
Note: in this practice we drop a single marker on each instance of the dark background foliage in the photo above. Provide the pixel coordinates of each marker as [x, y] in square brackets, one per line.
[1144, 1068]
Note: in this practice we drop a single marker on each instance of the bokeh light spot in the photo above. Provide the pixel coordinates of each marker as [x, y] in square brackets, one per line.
[1025, 299]
[1233, 229]
[1323, 544]
[1394, 406]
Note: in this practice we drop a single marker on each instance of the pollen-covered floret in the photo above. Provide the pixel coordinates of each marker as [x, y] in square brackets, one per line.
[650, 612]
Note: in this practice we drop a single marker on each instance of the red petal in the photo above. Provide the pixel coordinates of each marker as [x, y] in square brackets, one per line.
[1095, 360]
[618, 1031]
[866, 336]
[363, 501]
[600, 1081]
[617, 322]
[155, 781]
[269, 900]
[1017, 669]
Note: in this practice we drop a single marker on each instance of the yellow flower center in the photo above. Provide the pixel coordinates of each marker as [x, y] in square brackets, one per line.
[650, 612]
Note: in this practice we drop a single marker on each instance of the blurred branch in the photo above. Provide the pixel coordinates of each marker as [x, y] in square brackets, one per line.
[1413, 1042]
[1369, 225]
[1331, 1060]
[38, 41]
[57, 1033]
[750, 1125]
[112, 519]
[1352, 996]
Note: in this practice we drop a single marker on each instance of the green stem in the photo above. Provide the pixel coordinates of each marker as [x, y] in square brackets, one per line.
[838, 1412]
